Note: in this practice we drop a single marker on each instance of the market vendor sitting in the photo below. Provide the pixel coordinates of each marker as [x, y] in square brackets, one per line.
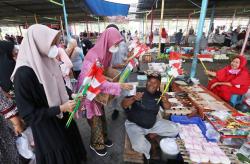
[230, 80]
[142, 110]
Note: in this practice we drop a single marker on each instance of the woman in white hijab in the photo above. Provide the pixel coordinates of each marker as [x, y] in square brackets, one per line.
[41, 98]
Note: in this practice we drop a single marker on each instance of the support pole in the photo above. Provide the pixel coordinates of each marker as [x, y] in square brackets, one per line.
[35, 19]
[177, 24]
[162, 11]
[233, 19]
[20, 30]
[65, 19]
[189, 17]
[143, 26]
[87, 29]
[1, 37]
[99, 25]
[61, 24]
[146, 31]
[211, 19]
[245, 41]
[75, 28]
[199, 35]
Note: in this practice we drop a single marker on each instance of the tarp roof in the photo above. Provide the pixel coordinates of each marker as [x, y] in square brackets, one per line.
[105, 8]
[22, 11]
[182, 8]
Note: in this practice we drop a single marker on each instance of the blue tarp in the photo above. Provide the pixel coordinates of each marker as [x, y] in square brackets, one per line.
[105, 8]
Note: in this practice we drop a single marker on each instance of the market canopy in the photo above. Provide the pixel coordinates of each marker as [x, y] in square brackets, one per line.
[182, 8]
[106, 8]
[23, 11]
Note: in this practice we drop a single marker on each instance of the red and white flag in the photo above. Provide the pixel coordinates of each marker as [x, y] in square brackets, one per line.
[205, 57]
[175, 62]
[95, 78]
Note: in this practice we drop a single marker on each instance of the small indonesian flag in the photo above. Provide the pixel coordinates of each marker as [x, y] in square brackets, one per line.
[205, 57]
[173, 72]
[95, 78]
[140, 50]
[175, 62]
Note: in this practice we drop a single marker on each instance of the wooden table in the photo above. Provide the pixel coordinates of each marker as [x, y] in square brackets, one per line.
[203, 112]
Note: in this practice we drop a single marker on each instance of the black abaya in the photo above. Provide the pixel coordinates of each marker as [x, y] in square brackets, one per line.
[54, 144]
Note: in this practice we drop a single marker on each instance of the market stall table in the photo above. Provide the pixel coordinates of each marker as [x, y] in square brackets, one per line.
[211, 107]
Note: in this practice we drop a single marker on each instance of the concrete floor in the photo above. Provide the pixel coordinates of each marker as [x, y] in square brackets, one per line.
[116, 128]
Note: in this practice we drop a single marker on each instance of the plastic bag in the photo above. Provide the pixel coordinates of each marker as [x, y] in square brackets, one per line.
[25, 143]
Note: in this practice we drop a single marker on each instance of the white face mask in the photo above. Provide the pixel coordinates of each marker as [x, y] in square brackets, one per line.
[53, 51]
[113, 49]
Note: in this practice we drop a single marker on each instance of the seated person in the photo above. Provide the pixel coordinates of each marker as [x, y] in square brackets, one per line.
[232, 79]
[142, 110]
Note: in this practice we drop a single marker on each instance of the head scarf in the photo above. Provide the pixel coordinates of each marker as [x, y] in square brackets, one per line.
[163, 33]
[243, 62]
[34, 54]
[100, 51]
[72, 44]
[7, 64]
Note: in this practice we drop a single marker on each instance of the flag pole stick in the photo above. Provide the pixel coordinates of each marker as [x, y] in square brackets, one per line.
[203, 65]
[166, 88]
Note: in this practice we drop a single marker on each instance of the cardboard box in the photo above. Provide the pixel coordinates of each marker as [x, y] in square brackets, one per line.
[112, 75]
[147, 58]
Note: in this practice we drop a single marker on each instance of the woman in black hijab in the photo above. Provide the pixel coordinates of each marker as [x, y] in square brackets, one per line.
[8, 110]
[7, 64]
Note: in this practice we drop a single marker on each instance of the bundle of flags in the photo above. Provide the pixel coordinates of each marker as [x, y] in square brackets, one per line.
[175, 69]
[93, 80]
[138, 50]
[90, 87]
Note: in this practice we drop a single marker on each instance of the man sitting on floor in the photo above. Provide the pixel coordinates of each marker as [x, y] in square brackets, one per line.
[142, 110]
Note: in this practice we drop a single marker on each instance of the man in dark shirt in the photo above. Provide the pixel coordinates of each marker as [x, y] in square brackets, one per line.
[142, 110]
[86, 44]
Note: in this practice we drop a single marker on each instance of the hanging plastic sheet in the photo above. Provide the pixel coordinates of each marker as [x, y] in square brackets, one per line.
[105, 8]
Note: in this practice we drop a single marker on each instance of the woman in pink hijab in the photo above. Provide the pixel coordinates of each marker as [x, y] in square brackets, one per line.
[42, 99]
[105, 46]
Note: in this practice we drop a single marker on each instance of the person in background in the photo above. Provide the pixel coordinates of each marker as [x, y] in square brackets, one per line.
[178, 37]
[191, 37]
[203, 41]
[123, 33]
[66, 65]
[164, 37]
[105, 46]
[118, 62]
[232, 79]
[76, 56]
[42, 99]
[142, 110]
[234, 40]
[129, 36]
[8, 109]
[86, 44]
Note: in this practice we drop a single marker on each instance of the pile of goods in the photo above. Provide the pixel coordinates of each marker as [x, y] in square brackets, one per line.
[228, 124]
[198, 149]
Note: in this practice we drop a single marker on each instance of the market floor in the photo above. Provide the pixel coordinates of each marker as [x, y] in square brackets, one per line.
[116, 129]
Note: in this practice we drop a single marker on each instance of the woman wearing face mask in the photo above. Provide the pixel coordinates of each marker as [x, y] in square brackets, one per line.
[76, 56]
[105, 46]
[8, 109]
[232, 79]
[41, 99]
[65, 65]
